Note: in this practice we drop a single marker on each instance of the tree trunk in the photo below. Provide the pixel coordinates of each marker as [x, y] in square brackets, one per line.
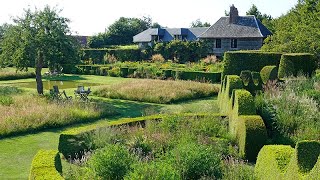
[38, 73]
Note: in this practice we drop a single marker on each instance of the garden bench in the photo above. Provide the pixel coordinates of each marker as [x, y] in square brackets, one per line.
[82, 93]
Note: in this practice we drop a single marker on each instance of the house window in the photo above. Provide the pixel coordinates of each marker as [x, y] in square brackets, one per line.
[218, 43]
[234, 43]
[179, 37]
[155, 38]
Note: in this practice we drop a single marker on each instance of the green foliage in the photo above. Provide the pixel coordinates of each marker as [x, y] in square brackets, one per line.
[17, 75]
[74, 143]
[264, 18]
[124, 71]
[272, 161]
[194, 161]
[6, 100]
[9, 90]
[237, 169]
[197, 76]
[297, 30]
[293, 64]
[198, 23]
[157, 170]
[237, 61]
[269, 73]
[251, 135]
[182, 51]
[114, 72]
[120, 32]
[38, 39]
[46, 164]
[122, 54]
[243, 103]
[111, 162]
[284, 162]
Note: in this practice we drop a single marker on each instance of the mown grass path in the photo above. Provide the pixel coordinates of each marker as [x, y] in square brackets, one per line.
[16, 153]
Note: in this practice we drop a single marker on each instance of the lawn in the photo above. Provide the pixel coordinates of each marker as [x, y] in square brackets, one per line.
[157, 91]
[16, 153]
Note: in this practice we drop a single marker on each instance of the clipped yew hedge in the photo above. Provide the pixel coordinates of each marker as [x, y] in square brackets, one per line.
[283, 162]
[97, 55]
[237, 61]
[46, 164]
[251, 136]
[269, 73]
[213, 77]
[293, 64]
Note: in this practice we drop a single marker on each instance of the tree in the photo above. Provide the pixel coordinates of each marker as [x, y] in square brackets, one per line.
[298, 30]
[121, 32]
[264, 18]
[198, 23]
[39, 38]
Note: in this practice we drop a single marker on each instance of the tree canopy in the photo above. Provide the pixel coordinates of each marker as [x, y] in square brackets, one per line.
[298, 30]
[198, 23]
[121, 32]
[39, 38]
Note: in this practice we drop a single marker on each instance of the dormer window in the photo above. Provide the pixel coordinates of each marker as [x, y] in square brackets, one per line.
[178, 37]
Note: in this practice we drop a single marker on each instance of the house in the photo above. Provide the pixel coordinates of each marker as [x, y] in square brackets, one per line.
[149, 36]
[229, 33]
[235, 32]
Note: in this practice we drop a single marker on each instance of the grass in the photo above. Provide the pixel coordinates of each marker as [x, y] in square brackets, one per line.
[157, 91]
[11, 74]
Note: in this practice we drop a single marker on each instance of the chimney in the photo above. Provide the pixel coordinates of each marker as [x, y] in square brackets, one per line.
[233, 16]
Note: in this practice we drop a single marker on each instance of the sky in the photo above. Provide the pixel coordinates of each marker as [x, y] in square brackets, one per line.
[94, 16]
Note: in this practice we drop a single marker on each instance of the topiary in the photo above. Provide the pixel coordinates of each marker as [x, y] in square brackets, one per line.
[269, 73]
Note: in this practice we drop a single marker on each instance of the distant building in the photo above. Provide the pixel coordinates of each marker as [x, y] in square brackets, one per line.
[82, 40]
[152, 35]
[229, 33]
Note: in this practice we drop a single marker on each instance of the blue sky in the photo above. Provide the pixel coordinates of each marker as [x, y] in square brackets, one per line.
[92, 17]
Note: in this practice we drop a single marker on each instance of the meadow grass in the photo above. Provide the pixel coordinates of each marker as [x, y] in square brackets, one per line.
[28, 113]
[157, 91]
[11, 74]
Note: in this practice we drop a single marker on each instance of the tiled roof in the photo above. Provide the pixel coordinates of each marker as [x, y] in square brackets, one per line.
[245, 27]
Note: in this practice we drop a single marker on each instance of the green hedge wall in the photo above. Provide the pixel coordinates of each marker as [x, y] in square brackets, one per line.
[46, 164]
[97, 55]
[214, 77]
[251, 136]
[237, 61]
[272, 162]
[293, 64]
[229, 83]
[252, 81]
[269, 73]
[284, 162]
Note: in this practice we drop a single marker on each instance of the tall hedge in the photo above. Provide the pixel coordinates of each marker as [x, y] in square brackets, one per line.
[46, 164]
[293, 64]
[237, 61]
[269, 73]
[129, 54]
[251, 136]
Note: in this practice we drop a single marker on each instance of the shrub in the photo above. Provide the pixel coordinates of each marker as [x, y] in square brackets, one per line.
[194, 161]
[237, 169]
[272, 161]
[111, 162]
[6, 100]
[109, 58]
[114, 72]
[251, 135]
[212, 59]
[237, 61]
[269, 73]
[156, 170]
[121, 54]
[157, 58]
[293, 64]
[46, 164]
[124, 71]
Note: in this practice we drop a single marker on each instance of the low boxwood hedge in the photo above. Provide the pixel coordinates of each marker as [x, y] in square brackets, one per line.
[46, 164]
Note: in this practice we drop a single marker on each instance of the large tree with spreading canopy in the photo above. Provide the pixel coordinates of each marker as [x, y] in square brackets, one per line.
[39, 38]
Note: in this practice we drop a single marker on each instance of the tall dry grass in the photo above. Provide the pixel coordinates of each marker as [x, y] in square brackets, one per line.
[157, 91]
[11, 75]
[30, 113]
